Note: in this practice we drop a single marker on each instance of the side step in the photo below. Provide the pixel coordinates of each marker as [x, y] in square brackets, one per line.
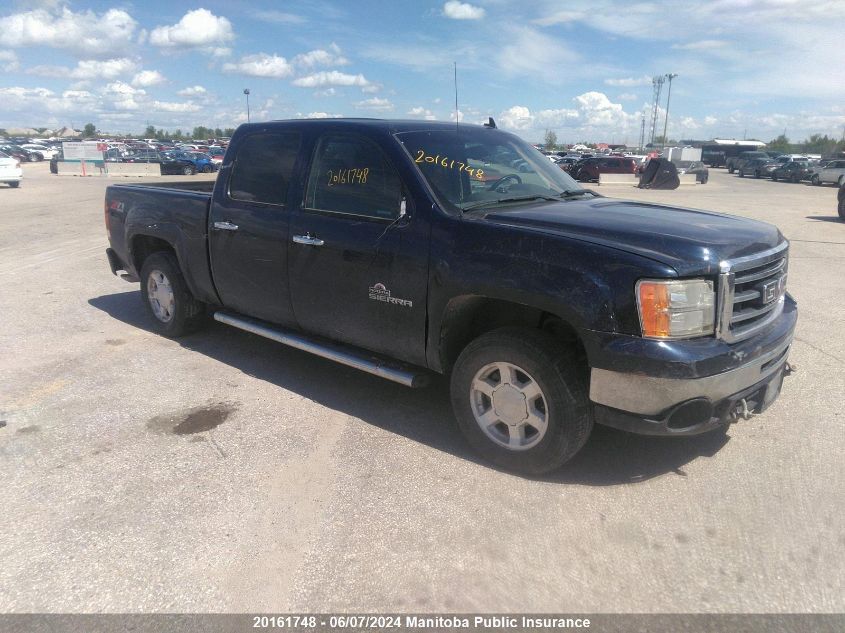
[340, 354]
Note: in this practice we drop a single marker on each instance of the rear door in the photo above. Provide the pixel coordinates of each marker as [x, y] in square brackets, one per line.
[249, 218]
[358, 271]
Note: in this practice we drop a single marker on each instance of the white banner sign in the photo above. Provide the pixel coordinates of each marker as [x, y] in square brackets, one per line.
[86, 150]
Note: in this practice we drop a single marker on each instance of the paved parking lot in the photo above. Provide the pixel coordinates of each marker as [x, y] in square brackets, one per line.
[222, 472]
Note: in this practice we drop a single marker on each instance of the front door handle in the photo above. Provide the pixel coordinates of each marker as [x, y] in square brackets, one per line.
[308, 239]
[225, 226]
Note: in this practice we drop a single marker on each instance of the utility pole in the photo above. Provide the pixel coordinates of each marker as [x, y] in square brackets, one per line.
[642, 132]
[246, 92]
[670, 77]
[657, 82]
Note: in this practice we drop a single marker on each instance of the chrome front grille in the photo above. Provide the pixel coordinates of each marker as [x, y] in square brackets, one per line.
[751, 292]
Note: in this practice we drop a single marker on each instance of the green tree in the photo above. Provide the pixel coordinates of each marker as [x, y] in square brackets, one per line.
[229, 131]
[780, 144]
[550, 140]
[201, 132]
[150, 132]
[89, 130]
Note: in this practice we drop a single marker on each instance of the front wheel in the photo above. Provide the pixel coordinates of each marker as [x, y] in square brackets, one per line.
[15, 184]
[520, 399]
[166, 296]
[816, 181]
[842, 205]
[188, 170]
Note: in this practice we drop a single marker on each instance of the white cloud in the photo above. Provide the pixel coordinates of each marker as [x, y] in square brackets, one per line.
[320, 115]
[627, 96]
[330, 78]
[9, 61]
[701, 45]
[170, 106]
[122, 88]
[422, 113]
[371, 88]
[629, 82]
[375, 103]
[462, 11]
[278, 17]
[516, 118]
[107, 69]
[261, 65]
[328, 92]
[530, 52]
[199, 29]
[48, 71]
[192, 91]
[148, 78]
[321, 57]
[84, 33]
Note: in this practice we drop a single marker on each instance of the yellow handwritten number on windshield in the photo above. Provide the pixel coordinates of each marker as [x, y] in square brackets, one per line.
[448, 163]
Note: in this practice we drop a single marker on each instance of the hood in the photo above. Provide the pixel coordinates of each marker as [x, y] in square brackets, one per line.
[690, 241]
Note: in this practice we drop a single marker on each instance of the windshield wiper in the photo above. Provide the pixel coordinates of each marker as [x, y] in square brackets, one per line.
[487, 203]
[572, 193]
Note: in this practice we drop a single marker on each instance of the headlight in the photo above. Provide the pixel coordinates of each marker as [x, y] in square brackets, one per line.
[677, 308]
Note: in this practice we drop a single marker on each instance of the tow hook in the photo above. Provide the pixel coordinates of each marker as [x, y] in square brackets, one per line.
[789, 369]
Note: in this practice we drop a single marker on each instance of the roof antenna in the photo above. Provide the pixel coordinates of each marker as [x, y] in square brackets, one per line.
[490, 123]
[457, 112]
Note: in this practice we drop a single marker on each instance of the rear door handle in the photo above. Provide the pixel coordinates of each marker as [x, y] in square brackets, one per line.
[308, 239]
[225, 226]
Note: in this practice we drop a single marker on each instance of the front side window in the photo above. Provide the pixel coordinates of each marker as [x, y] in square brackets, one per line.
[263, 167]
[473, 167]
[350, 174]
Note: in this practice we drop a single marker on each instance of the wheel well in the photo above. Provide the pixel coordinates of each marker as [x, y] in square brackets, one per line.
[145, 245]
[466, 318]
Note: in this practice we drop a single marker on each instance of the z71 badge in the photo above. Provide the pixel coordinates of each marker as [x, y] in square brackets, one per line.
[380, 293]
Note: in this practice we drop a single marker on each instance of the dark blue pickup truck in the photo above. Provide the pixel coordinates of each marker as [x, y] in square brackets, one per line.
[408, 247]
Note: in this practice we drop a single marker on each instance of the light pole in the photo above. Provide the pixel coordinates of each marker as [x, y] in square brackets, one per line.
[670, 77]
[246, 92]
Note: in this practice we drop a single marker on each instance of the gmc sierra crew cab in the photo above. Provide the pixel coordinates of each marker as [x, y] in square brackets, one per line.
[404, 248]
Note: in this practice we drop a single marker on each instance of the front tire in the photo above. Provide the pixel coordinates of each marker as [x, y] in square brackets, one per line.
[520, 399]
[15, 184]
[842, 205]
[168, 301]
[187, 170]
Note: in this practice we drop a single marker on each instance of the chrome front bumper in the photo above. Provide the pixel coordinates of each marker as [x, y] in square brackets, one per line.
[650, 396]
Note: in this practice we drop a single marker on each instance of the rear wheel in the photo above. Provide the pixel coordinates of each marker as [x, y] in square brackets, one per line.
[816, 180]
[15, 184]
[188, 170]
[842, 204]
[520, 399]
[166, 296]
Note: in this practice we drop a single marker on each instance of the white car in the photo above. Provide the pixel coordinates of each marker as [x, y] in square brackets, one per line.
[833, 172]
[10, 171]
[45, 152]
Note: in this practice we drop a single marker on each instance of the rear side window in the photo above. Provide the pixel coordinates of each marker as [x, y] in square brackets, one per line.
[263, 167]
[350, 174]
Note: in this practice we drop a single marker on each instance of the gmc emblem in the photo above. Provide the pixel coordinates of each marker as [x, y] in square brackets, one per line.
[771, 290]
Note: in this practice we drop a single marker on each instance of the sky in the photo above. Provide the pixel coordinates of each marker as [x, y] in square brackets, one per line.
[584, 69]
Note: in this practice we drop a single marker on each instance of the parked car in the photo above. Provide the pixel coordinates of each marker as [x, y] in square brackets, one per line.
[833, 172]
[589, 170]
[696, 167]
[18, 152]
[758, 167]
[176, 165]
[201, 162]
[10, 170]
[216, 154]
[735, 162]
[793, 171]
[41, 151]
[550, 308]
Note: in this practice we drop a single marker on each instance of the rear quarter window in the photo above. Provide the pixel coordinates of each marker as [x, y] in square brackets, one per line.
[263, 167]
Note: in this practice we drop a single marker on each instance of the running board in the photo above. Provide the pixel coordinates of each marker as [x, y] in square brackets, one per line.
[343, 355]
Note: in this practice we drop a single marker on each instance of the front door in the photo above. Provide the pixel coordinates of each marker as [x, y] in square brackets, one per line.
[248, 232]
[358, 267]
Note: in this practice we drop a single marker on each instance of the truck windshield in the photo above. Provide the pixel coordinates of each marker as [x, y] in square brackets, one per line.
[475, 167]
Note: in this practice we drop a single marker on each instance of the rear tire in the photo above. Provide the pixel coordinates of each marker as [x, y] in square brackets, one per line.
[187, 170]
[816, 181]
[168, 301]
[545, 416]
[15, 184]
[842, 205]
